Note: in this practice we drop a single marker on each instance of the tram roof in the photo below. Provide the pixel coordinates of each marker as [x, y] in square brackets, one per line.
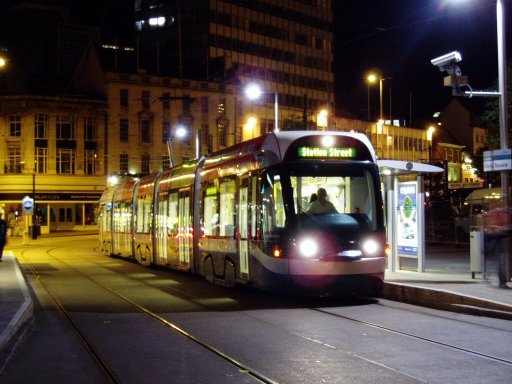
[279, 142]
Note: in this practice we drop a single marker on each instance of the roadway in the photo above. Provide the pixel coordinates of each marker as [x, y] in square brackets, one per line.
[100, 319]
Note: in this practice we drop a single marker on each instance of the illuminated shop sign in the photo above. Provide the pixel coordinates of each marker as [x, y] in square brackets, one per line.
[327, 153]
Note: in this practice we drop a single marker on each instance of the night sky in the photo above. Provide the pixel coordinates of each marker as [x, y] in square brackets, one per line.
[399, 38]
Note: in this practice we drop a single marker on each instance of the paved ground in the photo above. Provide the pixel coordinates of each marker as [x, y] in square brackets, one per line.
[447, 283]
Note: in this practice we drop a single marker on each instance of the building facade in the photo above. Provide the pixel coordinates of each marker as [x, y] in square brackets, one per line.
[53, 150]
[284, 45]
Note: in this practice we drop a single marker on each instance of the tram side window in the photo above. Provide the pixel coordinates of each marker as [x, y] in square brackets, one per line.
[272, 206]
[140, 215]
[143, 215]
[172, 218]
[125, 217]
[210, 210]
[227, 207]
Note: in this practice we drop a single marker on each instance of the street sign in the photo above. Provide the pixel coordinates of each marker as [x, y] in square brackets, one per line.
[488, 162]
[28, 205]
[498, 160]
[502, 159]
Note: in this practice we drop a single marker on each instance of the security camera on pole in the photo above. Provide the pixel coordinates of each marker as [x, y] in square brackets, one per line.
[498, 160]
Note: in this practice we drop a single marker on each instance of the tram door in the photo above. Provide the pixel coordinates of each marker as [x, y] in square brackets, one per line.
[243, 227]
[185, 228]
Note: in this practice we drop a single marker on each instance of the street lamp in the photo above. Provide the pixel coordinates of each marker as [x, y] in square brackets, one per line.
[253, 92]
[321, 119]
[250, 128]
[372, 78]
[430, 134]
[180, 131]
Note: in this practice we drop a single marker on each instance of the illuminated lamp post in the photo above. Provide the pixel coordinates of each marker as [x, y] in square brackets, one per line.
[250, 128]
[371, 79]
[321, 119]
[430, 134]
[112, 180]
[180, 131]
[253, 92]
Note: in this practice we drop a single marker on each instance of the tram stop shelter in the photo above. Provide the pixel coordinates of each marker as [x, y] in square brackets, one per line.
[405, 210]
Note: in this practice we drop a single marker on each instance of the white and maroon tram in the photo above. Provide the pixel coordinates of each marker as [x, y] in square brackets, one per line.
[239, 215]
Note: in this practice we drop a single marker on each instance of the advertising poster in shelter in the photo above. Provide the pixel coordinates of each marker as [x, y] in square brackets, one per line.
[407, 221]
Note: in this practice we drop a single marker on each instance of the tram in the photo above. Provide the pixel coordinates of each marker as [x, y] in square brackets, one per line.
[239, 216]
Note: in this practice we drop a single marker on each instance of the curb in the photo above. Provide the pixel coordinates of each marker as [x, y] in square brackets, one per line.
[445, 300]
[23, 315]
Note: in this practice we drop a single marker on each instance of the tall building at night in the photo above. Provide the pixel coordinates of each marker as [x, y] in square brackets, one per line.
[284, 45]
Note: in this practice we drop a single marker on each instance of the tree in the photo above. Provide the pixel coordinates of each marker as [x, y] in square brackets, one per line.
[491, 116]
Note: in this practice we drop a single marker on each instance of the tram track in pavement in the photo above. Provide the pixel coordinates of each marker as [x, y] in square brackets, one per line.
[416, 337]
[175, 328]
[376, 301]
[101, 363]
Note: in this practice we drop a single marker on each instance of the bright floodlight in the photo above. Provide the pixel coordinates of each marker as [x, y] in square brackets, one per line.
[113, 180]
[181, 131]
[372, 78]
[253, 91]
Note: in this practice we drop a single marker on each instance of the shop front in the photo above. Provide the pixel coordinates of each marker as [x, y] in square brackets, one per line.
[52, 212]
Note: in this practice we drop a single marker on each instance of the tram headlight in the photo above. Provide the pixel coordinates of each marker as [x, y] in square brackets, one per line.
[370, 247]
[308, 247]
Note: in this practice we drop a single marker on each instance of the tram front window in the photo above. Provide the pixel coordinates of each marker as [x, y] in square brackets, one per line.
[352, 197]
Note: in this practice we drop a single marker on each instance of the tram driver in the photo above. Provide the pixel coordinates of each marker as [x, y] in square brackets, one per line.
[321, 205]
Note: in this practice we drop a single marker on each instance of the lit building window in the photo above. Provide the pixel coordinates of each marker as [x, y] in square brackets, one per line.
[65, 127]
[14, 164]
[123, 130]
[40, 125]
[66, 161]
[145, 131]
[90, 162]
[91, 128]
[145, 162]
[15, 125]
[41, 165]
[123, 163]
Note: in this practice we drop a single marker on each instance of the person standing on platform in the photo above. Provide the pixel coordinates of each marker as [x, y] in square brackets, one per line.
[3, 235]
[498, 228]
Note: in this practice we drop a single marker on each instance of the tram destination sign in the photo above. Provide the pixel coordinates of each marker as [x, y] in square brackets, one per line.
[327, 153]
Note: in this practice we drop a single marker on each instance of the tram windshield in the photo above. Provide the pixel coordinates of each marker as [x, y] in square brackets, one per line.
[337, 201]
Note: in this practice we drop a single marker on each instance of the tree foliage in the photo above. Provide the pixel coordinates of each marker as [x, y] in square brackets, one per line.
[491, 116]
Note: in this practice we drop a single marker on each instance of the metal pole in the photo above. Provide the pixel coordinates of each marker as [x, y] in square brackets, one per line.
[198, 143]
[34, 233]
[380, 96]
[276, 112]
[502, 87]
[369, 118]
[502, 83]
[235, 129]
[171, 154]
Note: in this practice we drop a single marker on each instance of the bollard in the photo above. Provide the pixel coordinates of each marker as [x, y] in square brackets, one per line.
[476, 253]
